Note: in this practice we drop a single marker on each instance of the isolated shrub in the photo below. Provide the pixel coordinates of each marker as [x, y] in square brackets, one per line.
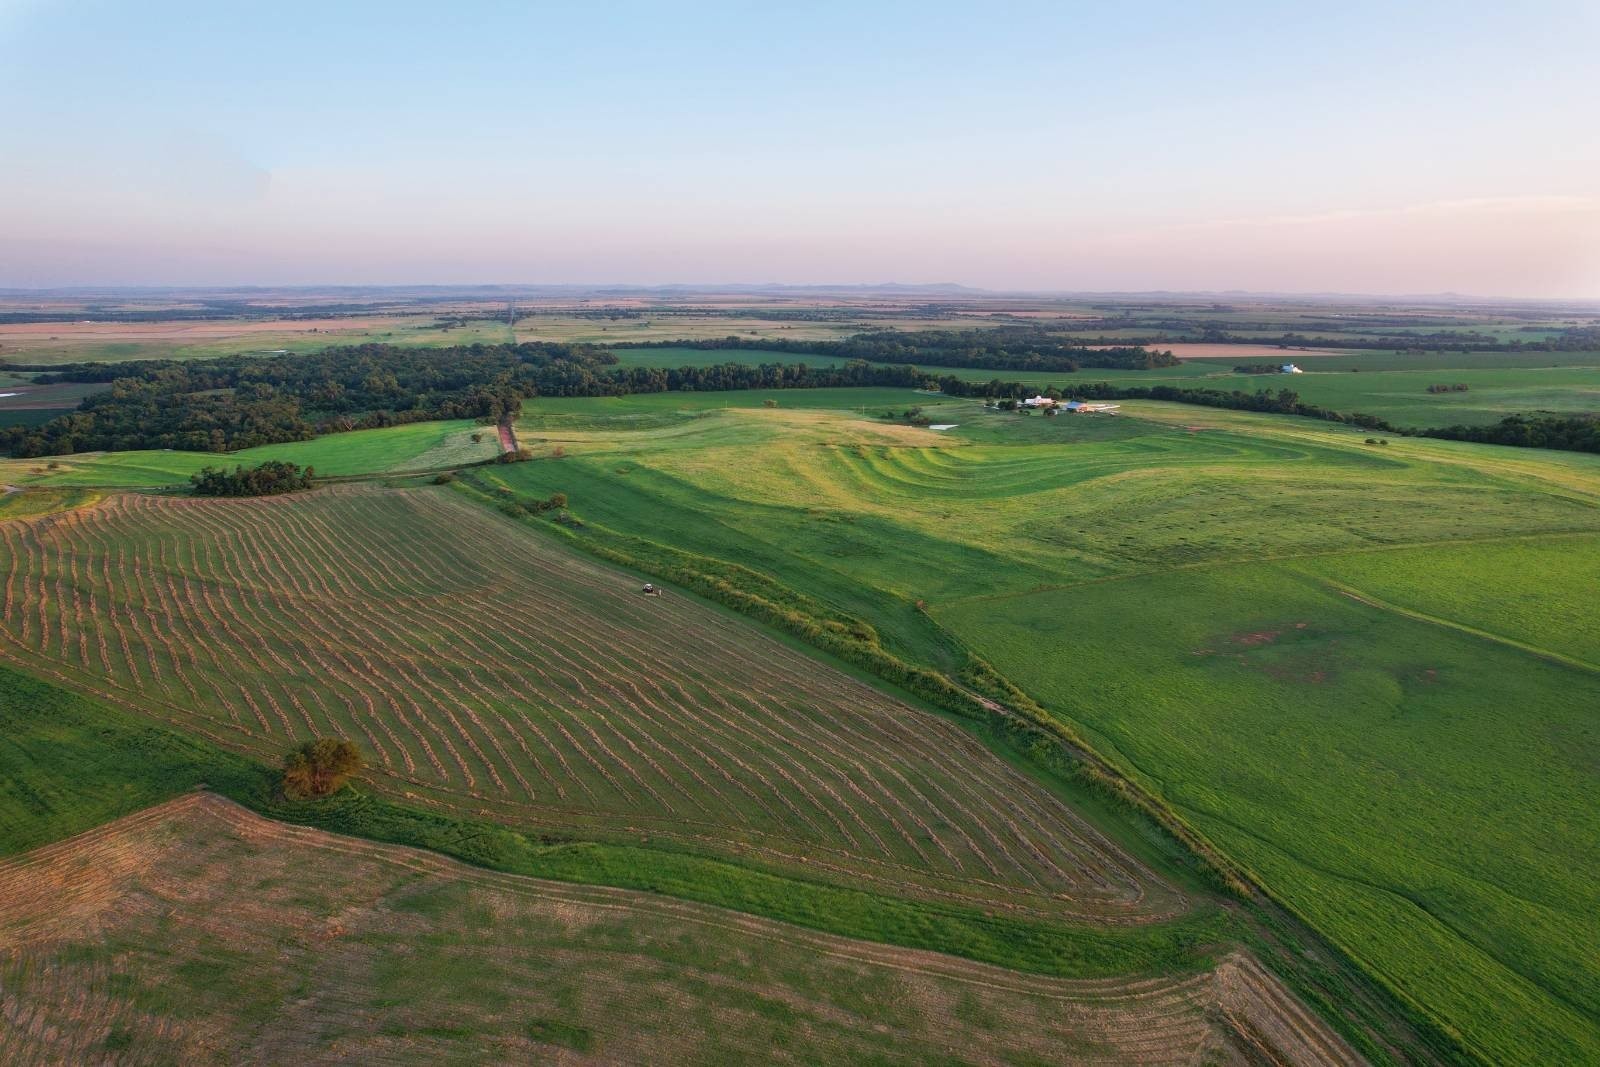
[477, 437]
[556, 502]
[443, 479]
[318, 768]
[769, 403]
[558, 453]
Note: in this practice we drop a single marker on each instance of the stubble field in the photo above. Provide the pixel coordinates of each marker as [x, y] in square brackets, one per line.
[197, 932]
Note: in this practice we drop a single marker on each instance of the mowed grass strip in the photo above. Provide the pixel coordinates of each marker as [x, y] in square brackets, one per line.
[495, 674]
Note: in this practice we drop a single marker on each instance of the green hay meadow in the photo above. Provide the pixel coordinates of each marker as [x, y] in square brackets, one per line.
[1412, 769]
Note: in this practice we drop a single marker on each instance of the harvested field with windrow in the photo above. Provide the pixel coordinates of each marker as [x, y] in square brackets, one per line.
[493, 673]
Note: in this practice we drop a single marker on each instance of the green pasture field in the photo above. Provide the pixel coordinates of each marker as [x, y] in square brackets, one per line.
[1537, 593]
[1402, 397]
[1409, 769]
[417, 446]
[1421, 795]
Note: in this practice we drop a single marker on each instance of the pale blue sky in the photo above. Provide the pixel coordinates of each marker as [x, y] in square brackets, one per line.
[1361, 147]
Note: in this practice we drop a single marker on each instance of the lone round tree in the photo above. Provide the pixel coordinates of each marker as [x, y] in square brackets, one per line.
[319, 768]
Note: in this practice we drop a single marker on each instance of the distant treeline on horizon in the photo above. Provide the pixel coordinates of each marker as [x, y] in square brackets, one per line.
[236, 402]
[1001, 348]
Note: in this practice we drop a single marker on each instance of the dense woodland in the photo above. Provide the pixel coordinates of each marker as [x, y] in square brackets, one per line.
[1009, 348]
[239, 402]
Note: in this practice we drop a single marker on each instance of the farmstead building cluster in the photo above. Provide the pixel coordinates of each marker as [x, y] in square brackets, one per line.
[1074, 407]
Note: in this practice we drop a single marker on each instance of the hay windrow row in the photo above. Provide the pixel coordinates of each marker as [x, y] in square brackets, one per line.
[476, 662]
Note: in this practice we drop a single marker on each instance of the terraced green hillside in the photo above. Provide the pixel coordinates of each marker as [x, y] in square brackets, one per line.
[1291, 635]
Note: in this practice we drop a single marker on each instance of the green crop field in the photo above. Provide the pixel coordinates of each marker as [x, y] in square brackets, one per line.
[1402, 397]
[1410, 767]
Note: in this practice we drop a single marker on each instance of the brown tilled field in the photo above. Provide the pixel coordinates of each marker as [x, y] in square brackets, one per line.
[197, 932]
[490, 672]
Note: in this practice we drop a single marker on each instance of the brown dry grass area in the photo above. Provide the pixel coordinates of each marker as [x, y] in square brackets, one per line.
[197, 932]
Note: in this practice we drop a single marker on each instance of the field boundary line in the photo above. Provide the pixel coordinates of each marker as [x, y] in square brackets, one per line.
[1370, 601]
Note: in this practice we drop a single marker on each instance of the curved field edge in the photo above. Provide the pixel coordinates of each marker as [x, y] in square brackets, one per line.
[1366, 1009]
[69, 763]
[255, 906]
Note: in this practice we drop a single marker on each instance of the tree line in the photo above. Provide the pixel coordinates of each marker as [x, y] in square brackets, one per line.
[1569, 433]
[1005, 348]
[241, 401]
